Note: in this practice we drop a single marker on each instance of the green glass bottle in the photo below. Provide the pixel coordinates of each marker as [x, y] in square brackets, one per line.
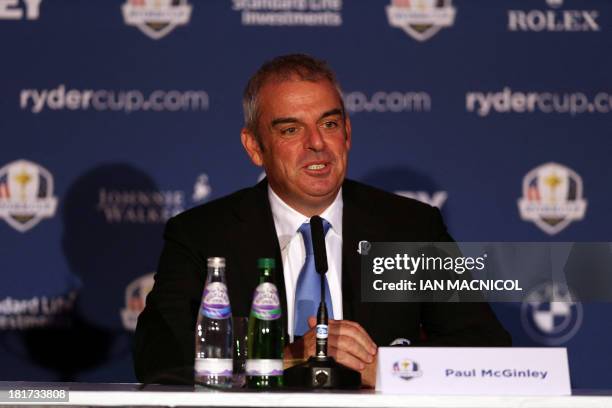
[264, 365]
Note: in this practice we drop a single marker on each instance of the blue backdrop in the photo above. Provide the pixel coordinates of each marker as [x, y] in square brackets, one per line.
[115, 115]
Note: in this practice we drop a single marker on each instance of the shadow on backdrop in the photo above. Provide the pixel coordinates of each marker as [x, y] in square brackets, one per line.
[111, 237]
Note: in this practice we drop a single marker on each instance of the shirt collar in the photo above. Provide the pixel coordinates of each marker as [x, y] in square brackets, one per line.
[287, 221]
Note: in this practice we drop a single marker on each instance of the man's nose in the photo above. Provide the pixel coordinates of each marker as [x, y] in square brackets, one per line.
[314, 139]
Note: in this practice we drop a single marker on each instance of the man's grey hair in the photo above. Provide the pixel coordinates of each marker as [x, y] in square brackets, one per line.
[283, 68]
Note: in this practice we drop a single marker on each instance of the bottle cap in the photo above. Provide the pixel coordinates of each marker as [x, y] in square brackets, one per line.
[266, 263]
[216, 262]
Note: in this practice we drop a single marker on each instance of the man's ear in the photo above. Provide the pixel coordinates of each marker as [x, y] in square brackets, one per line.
[251, 145]
[347, 131]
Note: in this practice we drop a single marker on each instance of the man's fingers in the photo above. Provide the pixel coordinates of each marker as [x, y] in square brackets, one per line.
[368, 375]
[346, 359]
[366, 336]
[347, 338]
[309, 340]
[350, 346]
[354, 331]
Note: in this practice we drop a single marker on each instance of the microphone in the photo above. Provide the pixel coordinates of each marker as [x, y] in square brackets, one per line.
[318, 244]
[320, 257]
[321, 371]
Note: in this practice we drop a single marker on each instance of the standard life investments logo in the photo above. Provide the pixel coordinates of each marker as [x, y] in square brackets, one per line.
[289, 13]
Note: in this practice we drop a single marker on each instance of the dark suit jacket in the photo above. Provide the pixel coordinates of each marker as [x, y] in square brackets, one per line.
[240, 228]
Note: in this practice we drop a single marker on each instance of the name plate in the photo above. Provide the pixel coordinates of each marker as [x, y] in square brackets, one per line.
[473, 371]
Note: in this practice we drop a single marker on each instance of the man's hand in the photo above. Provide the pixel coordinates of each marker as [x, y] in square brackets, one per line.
[348, 343]
[368, 374]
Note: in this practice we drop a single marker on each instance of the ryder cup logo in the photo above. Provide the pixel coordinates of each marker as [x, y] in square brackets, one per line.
[26, 194]
[156, 18]
[551, 315]
[552, 197]
[407, 369]
[421, 19]
[135, 300]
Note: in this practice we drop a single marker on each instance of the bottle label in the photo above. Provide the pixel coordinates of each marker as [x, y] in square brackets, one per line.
[220, 367]
[215, 303]
[259, 367]
[266, 304]
[322, 331]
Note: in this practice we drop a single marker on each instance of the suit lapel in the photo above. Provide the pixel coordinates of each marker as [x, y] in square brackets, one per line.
[358, 224]
[258, 231]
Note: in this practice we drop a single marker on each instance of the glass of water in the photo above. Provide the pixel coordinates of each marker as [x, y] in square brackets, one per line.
[240, 329]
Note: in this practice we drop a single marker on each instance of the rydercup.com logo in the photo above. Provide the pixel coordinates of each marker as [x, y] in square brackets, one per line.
[387, 101]
[550, 315]
[26, 194]
[70, 99]
[508, 100]
[135, 300]
[156, 18]
[421, 19]
[407, 369]
[552, 197]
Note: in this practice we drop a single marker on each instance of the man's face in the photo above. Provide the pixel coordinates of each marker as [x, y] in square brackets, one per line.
[305, 141]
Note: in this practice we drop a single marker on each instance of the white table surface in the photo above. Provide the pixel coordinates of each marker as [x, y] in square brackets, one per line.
[90, 394]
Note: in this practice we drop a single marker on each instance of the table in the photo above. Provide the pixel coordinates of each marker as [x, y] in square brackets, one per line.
[90, 394]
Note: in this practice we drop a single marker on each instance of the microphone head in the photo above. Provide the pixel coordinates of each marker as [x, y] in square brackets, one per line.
[318, 244]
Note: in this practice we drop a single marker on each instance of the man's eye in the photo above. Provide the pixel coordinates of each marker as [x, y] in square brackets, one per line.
[289, 131]
[330, 124]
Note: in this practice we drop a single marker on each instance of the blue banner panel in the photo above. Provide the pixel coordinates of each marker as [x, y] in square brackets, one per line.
[116, 115]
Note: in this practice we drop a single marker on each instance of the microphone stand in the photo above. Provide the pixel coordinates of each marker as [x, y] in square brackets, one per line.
[321, 370]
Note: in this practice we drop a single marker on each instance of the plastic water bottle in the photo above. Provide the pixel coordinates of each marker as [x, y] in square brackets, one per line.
[213, 348]
[264, 365]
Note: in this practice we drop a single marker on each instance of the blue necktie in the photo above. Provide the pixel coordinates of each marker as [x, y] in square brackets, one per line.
[308, 290]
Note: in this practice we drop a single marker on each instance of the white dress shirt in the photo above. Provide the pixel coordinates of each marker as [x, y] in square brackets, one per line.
[287, 221]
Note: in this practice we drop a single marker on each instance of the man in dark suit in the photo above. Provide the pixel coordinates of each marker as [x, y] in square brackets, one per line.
[297, 129]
